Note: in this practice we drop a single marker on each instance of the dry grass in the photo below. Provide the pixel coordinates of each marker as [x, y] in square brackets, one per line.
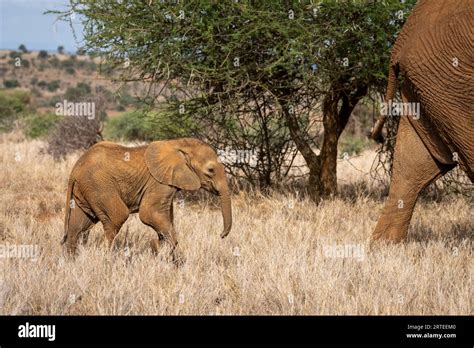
[273, 262]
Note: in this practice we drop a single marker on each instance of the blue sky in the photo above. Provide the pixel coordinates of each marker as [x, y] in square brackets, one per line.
[23, 22]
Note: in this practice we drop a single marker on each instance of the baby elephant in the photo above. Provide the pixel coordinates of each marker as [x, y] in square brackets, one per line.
[110, 181]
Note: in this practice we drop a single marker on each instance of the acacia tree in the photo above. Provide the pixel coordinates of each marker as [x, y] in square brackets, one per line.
[285, 60]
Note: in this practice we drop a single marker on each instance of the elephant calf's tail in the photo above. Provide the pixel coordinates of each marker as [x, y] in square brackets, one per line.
[376, 133]
[69, 202]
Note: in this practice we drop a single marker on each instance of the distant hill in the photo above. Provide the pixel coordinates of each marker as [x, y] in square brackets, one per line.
[52, 76]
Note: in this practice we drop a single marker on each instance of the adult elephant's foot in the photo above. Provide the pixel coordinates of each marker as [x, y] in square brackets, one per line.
[70, 250]
[387, 236]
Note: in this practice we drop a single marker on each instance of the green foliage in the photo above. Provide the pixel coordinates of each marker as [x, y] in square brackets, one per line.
[53, 85]
[352, 145]
[14, 54]
[11, 83]
[55, 62]
[68, 63]
[43, 54]
[39, 125]
[125, 99]
[42, 84]
[23, 48]
[78, 93]
[147, 126]
[12, 105]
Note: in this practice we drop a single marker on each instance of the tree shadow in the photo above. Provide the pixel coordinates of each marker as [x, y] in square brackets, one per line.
[352, 192]
[456, 233]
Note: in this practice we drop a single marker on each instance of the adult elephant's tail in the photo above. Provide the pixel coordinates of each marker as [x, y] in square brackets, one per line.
[69, 202]
[376, 133]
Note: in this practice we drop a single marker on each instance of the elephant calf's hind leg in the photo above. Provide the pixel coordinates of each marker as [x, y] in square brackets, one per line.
[112, 220]
[78, 228]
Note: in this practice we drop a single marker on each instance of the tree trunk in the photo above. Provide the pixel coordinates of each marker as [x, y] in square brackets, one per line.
[323, 167]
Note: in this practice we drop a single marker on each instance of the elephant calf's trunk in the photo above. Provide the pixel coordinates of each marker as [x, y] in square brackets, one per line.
[226, 208]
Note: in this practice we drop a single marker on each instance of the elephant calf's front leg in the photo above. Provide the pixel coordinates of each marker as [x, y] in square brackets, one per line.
[160, 221]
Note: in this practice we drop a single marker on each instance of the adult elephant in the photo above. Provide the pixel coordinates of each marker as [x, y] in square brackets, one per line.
[434, 54]
[111, 181]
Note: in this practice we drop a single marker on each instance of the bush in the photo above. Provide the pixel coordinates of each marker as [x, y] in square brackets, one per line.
[12, 105]
[125, 100]
[43, 54]
[23, 48]
[37, 126]
[14, 54]
[78, 93]
[55, 62]
[352, 145]
[53, 85]
[68, 63]
[11, 83]
[71, 134]
[139, 125]
[42, 84]
[70, 71]
[53, 100]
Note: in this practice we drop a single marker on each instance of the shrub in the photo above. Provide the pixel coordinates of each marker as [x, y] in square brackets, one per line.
[12, 105]
[70, 71]
[43, 54]
[23, 48]
[140, 125]
[54, 100]
[38, 125]
[73, 133]
[11, 83]
[352, 145]
[42, 84]
[53, 85]
[14, 54]
[68, 63]
[55, 62]
[125, 100]
[78, 93]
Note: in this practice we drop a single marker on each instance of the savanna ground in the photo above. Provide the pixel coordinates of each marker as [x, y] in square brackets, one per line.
[274, 261]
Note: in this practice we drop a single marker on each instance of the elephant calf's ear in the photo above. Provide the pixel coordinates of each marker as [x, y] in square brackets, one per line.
[168, 165]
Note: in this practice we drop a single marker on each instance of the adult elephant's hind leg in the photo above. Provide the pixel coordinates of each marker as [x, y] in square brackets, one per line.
[413, 169]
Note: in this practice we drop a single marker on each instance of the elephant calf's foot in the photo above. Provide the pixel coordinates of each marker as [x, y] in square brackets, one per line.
[155, 245]
[175, 255]
[177, 258]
